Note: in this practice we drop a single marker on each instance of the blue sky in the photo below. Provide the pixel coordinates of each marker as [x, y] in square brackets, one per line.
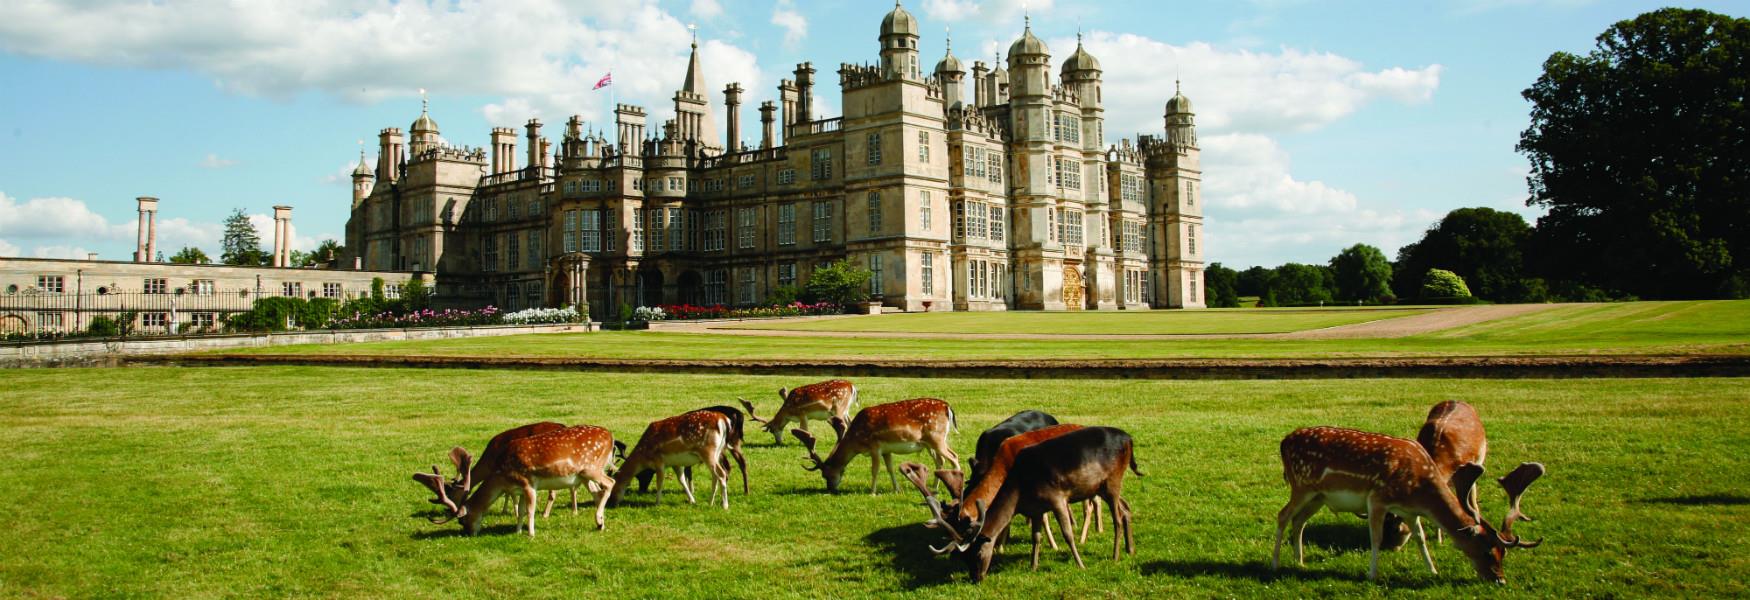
[1323, 123]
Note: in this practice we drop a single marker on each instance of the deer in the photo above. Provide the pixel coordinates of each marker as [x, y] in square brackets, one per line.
[1453, 435]
[697, 437]
[1047, 477]
[962, 513]
[881, 431]
[822, 401]
[736, 422]
[1349, 470]
[459, 457]
[563, 459]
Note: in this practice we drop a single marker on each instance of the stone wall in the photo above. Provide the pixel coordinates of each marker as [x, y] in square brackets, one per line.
[111, 352]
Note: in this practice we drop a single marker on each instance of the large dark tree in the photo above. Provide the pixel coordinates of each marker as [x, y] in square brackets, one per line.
[1295, 284]
[1640, 150]
[1482, 245]
[1219, 282]
[1362, 273]
[190, 255]
[1254, 281]
[241, 244]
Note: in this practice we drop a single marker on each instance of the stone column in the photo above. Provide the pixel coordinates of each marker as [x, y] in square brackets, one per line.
[732, 98]
[767, 109]
[534, 134]
[282, 241]
[146, 242]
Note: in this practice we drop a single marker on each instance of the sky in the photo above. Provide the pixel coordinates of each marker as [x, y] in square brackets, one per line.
[1323, 124]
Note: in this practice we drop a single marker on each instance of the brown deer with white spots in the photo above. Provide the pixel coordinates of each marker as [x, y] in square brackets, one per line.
[1453, 435]
[822, 401]
[556, 460]
[881, 431]
[1362, 472]
[695, 438]
[495, 448]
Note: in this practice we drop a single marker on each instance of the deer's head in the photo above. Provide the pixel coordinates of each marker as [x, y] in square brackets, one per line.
[1485, 545]
[832, 473]
[449, 492]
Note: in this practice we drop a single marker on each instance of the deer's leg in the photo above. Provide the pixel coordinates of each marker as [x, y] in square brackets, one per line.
[1122, 508]
[574, 498]
[533, 500]
[552, 497]
[686, 483]
[1290, 515]
[1300, 519]
[659, 477]
[1376, 532]
[874, 470]
[1048, 536]
[1036, 523]
[1067, 524]
[1090, 516]
[601, 501]
[887, 457]
[1422, 540]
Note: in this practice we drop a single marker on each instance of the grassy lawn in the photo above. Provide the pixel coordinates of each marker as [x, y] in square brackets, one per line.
[1628, 328]
[294, 481]
[1214, 321]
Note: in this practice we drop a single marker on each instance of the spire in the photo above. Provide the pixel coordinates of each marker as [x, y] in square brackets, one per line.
[695, 82]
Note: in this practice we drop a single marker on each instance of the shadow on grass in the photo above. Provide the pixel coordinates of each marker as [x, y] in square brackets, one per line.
[450, 530]
[1260, 571]
[1700, 500]
[906, 547]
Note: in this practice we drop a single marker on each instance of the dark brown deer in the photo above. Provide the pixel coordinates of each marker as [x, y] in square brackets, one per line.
[563, 459]
[694, 438]
[881, 431]
[821, 401]
[962, 513]
[1358, 471]
[1046, 478]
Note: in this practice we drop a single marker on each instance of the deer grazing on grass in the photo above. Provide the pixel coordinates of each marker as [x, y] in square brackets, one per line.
[962, 513]
[881, 431]
[1357, 471]
[821, 401]
[695, 438]
[736, 422]
[562, 459]
[1453, 435]
[1047, 477]
[495, 448]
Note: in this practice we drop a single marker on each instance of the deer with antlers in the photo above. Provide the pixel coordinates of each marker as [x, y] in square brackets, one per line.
[694, 438]
[1453, 435]
[563, 459]
[1358, 471]
[1046, 477]
[962, 512]
[495, 448]
[823, 401]
[881, 431]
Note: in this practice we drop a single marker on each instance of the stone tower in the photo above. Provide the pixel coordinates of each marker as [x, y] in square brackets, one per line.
[1038, 253]
[424, 130]
[952, 75]
[899, 45]
[1175, 178]
[362, 180]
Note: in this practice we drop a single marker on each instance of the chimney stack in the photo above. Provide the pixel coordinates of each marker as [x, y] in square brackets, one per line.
[503, 149]
[766, 110]
[282, 236]
[732, 97]
[534, 135]
[146, 242]
[805, 92]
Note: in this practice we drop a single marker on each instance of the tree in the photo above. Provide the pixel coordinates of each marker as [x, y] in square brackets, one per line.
[843, 283]
[1362, 273]
[1219, 282]
[190, 255]
[1483, 245]
[1637, 151]
[1295, 284]
[241, 244]
[1254, 281]
[326, 250]
[1441, 283]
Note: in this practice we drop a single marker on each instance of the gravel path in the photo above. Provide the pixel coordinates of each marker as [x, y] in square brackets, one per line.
[1435, 320]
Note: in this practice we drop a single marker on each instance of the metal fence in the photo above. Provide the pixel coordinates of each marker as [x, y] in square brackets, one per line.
[148, 314]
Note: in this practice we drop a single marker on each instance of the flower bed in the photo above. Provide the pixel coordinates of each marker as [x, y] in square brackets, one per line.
[687, 312]
[421, 318]
[534, 316]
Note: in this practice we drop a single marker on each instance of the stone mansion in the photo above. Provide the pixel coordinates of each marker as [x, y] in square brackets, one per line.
[989, 188]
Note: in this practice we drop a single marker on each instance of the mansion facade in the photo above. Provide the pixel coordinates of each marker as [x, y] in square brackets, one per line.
[989, 188]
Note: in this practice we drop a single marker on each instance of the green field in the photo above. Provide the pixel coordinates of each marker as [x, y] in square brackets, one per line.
[1214, 321]
[294, 481]
[1718, 327]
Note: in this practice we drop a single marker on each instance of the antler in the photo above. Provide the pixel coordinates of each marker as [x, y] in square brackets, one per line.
[460, 459]
[808, 442]
[838, 425]
[435, 481]
[914, 473]
[749, 407]
[1515, 483]
[1463, 480]
[955, 480]
[466, 466]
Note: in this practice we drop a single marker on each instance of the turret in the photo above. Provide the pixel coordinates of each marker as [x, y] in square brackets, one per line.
[1081, 72]
[424, 130]
[1029, 66]
[1181, 122]
[692, 110]
[952, 75]
[999, 83]
[362, 181]
[899, 45]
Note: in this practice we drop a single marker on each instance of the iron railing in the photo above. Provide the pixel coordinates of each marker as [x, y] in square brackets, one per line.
[149, 314]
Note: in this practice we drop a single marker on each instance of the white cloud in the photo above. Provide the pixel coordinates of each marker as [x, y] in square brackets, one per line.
[57, 218]
[60, 251]
[986, 11]
[7, 249]
[545, 54]
[1241, 90]
[706, 9]
[795, 26]
[212, 161]
[1260, 214]
[264, 226]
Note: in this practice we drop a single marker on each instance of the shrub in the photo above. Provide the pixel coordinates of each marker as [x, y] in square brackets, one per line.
[1441, 283]
[544, 315]
[103, 326]
[842, 283]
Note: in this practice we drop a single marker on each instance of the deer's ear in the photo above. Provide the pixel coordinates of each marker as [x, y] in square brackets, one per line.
[838, 425]
[783, 394]
[954, 480]
[458, 457]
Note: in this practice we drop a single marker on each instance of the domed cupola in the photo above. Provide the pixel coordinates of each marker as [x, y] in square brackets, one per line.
[1178, 104]
[1028, 45]
[899, 22]
[949, 64]
[1081, 60]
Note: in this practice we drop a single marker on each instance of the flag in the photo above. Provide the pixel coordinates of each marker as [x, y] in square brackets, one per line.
[605, 81]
